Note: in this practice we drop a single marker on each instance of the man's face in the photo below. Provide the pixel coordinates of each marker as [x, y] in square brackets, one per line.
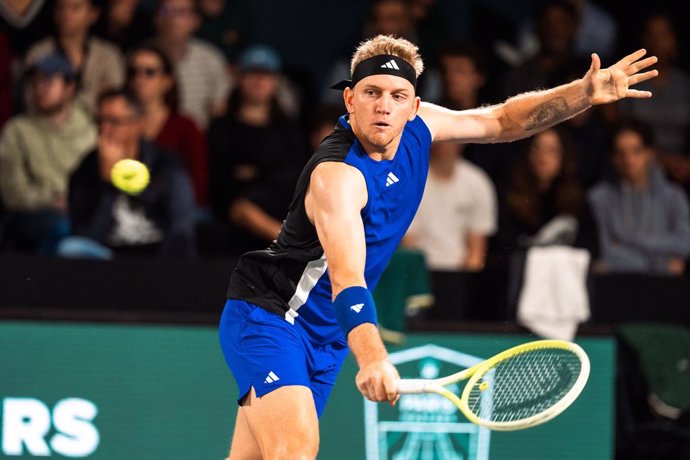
[118, 122]
[176, 20]
[258, 87]
[631, 157]
[461, 76]
[75, 16]
[392, 18]
[379, 107]
[546, 155]
[50, 92]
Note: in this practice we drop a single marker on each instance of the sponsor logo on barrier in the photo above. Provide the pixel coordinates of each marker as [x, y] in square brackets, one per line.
[425, 425]
[30, 428]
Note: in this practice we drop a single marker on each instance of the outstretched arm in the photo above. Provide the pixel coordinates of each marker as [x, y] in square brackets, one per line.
[337, 193]
[526, 114]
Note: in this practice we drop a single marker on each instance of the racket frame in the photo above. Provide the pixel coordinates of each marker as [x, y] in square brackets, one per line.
[476, 372]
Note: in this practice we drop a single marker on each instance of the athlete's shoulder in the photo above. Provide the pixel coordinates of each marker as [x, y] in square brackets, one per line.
[338, 143]
[418, 129]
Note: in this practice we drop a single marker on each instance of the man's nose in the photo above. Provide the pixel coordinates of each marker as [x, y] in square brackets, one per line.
[384, 104]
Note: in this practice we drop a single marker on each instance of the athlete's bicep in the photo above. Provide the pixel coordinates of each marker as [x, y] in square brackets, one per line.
[336, 195]
[477, 125]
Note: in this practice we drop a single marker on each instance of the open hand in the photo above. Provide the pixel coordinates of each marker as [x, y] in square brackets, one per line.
[613, 83]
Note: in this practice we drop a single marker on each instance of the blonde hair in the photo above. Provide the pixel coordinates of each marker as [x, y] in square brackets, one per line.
[388, 44]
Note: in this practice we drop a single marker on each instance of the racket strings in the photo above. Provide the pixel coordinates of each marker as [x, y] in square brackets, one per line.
[524, 385]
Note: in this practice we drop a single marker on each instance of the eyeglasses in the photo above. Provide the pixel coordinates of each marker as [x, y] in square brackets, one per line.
[148, 72]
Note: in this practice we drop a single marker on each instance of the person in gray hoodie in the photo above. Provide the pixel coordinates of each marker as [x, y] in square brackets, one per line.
[643, 219]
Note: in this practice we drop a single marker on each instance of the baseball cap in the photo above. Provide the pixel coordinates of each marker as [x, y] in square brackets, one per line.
[53, 64]
[261, 58]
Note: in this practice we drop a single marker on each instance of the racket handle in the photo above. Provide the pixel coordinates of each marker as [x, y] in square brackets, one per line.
[407, 386]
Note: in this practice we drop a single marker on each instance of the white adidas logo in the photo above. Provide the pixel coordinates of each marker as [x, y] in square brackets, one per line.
[271, 377]
[391, 65]
[357, 307]
[391, 179]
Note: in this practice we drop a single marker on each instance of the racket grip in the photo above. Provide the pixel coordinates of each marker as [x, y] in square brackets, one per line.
[408, 386]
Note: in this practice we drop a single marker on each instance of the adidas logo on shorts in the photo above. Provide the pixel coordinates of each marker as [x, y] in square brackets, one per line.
[271, 377]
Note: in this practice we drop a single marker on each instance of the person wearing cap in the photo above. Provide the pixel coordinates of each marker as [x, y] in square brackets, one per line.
[39, 150]
[255, 155]
[98, 62]
[294, 310]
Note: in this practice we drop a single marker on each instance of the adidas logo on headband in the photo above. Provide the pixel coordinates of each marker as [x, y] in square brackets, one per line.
[382, 64]
[391, 65]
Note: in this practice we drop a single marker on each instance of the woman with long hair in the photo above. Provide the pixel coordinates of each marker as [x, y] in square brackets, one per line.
[151, 78]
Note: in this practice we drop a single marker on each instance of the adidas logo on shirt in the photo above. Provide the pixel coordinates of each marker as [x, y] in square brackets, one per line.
[271, 377]
[390, 65]
[357, 307]
[391, 179]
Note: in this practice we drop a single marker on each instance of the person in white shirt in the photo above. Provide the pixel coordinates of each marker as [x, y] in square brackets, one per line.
[457, 213]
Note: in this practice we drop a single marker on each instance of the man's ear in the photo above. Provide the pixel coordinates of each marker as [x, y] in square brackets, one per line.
[415, 108]
[348, 96]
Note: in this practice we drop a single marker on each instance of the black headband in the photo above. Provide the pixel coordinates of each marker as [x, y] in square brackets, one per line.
[383, 64]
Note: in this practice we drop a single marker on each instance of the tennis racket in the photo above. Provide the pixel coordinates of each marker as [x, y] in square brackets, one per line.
[519, 388]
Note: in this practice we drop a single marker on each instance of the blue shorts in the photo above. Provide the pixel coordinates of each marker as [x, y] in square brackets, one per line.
[266, 352]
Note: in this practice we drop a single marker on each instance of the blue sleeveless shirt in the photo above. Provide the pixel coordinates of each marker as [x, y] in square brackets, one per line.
[290, 277]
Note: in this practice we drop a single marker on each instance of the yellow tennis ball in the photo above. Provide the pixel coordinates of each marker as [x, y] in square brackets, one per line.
[130, 176]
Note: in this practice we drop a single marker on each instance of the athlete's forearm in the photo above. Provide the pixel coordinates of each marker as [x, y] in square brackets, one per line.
[366, 345]
[529, 113]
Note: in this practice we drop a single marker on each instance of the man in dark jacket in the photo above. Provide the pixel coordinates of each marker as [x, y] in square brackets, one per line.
[158, 221]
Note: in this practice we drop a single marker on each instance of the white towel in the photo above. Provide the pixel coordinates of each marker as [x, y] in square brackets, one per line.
[554, 298]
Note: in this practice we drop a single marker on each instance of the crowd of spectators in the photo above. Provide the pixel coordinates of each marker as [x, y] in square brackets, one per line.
[225, 126]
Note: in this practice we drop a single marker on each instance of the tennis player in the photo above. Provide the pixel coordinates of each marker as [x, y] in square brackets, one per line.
[295, 309]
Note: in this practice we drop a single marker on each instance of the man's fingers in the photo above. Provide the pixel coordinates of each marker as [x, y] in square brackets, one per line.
[643, 64]
[637, 94]
[629, 59]
[642, 77]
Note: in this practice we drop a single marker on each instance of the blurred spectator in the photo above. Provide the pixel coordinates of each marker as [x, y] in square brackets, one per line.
[108, 223]
[225, 24]
[543, 207]
[25, 22]
[124, 23]
[457, 213]
[430, 24]
[544, 202]
[256, 153]
[463, 70]
[588, 131]
[643, 220]
[556, 30]
[202, 70]
[6, 80]
[38, 152]
[100, 64]
[387, 17]
[322, 124]
[677, 167]
[669, 114]
[596, 31]
[151, 78]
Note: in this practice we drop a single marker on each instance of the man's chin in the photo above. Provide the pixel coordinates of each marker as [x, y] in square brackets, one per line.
[380, 141]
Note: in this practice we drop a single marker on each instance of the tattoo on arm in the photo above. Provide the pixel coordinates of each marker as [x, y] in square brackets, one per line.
[547, 113]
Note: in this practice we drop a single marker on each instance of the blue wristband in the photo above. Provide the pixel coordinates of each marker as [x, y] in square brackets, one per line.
[354, 306]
